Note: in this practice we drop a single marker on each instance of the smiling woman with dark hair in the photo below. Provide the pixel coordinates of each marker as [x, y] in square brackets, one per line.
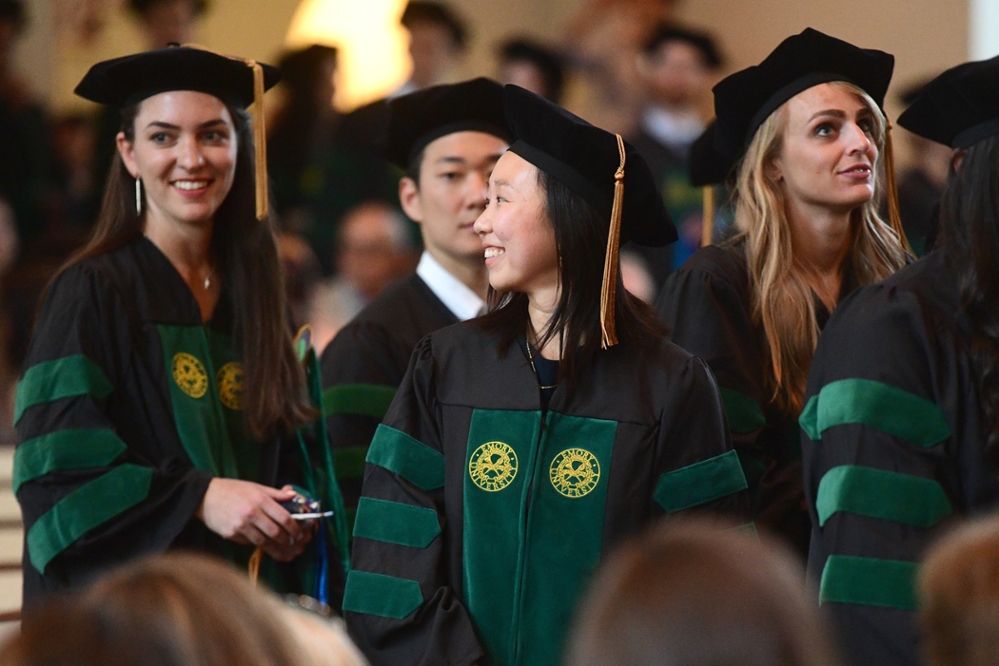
[161, 399]
[522, 445]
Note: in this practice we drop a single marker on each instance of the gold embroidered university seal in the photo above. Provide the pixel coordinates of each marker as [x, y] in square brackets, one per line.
[493, 466]
[575, 472]
[230, 383]
[189, 374]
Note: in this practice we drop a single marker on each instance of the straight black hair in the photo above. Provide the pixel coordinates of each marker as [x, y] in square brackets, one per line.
[245, 252]
[580, 244]
[969, 222]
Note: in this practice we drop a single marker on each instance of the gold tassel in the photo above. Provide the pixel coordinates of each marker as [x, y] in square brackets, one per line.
[894, 219]
[708, 219]
[608, 291]
[259, 138]
[253, 566]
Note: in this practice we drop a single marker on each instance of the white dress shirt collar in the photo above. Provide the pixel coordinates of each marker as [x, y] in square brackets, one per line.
[454, 294]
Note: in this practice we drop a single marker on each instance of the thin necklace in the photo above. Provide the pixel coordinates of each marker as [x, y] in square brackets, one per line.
[530, 357]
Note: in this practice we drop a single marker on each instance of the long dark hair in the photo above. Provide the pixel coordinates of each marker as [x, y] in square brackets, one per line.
[580, 244]
[245, 253]
[969, 222]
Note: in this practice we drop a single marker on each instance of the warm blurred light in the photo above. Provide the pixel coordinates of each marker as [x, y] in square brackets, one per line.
[373, 58]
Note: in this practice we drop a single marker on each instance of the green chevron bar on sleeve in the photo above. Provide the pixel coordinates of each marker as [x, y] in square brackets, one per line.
[744, 415]
[65, 377]
[876, 493]
[700, 483]
[65, 450]
[381, 595]
[408, 457]
[394, 522]
[869, 581]
[878, 405]
[364, 399]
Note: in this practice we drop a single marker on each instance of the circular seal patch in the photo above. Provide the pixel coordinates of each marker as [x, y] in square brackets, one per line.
[493, 466]
[575, 472]
[190, 375]
[230, 383]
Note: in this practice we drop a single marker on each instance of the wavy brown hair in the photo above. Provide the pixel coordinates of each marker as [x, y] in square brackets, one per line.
[782, 299]
[245, 253]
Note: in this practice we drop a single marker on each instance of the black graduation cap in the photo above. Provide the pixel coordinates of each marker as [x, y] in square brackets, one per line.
[601, 168]
[128, 80]
[958, 108]
[747, 98]
[705, 164]
[418, 118]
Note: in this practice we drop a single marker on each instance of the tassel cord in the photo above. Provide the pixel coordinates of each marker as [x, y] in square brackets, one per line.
[608, 290]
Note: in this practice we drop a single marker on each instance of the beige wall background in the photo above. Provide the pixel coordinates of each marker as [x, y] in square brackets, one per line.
[925, 35]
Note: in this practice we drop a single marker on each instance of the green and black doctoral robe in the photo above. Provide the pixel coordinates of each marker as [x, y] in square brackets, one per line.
[482, 518]
[893, 448]
[707, 305]
[363, 366]
[127, 408]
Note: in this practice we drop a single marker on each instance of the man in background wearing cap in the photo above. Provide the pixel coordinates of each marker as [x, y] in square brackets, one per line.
[446, 139]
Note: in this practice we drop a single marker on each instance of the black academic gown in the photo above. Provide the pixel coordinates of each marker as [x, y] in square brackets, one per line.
[127, 408]
[363, 366]
[893, 450]
[707, 305]
[482, 518]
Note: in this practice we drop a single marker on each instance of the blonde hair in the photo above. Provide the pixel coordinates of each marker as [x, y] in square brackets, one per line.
[782, 298]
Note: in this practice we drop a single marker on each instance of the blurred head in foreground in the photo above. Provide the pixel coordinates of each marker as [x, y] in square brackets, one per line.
[174, 610]
[959, 597]
[694, 594]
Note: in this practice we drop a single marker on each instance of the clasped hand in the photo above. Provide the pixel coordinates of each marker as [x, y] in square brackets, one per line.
[250, 513]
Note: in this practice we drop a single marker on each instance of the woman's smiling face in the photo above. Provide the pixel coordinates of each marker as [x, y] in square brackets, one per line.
[517, 237]
[184, 150]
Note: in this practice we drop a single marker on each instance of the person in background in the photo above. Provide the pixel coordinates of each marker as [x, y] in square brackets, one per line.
[677, 66]
[532, 66]
[808, 132]
[438, 41]
[958, 592]
[175, 610]
[374, 250]
[162, 404]
[901, 419]
[523, 445]
[27, 165]
[921, 185]
[692, 594]
[446, 139]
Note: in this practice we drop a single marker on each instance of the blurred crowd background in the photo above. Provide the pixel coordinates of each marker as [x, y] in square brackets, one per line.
[643, 68]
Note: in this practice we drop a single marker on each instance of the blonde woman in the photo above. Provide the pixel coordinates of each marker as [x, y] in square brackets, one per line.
[807, 133]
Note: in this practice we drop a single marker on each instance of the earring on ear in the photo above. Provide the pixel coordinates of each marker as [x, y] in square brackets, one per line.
[138, 196]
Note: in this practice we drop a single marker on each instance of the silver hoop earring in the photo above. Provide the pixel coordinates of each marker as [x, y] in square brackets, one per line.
[138, 196]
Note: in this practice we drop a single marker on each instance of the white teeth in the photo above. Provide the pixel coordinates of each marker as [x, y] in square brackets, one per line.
[190, 184]
[493, 252]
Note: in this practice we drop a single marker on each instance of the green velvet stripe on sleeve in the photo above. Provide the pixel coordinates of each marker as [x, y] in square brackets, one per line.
[381, 595]
[394, 522]
[84, 509]
[62, 378]
[881, 406]
[349, 462]
[65, 450]
[744, 415]
[876, 493]
[700, 483]
[869, 581]
[364, 399]
[408, 457]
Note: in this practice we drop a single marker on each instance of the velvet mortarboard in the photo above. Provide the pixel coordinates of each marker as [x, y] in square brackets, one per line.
[747, 98]
[705, 164]
[958, 108]
[599, 167]
[584, 158]
[128, 80]
[426, 115]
